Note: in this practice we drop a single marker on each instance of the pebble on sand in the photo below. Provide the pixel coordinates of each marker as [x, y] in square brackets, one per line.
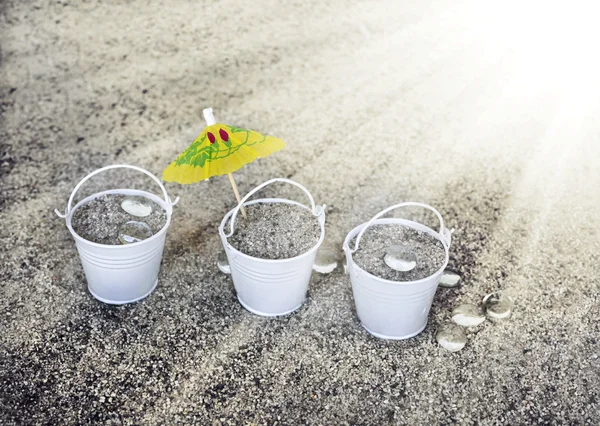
[449, 279]
[400, 258]
[134, 232]
[223, 263]
[451, 337]
[468, 315]
[325, 262]
[137, 206]
[497, 305]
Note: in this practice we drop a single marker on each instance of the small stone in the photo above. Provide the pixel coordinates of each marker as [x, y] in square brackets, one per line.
[449, 279]
[134, 232]
[468, 315]
[137, 206]
[325, 262]
[451, 337]
[223, 263]
[497, 305]
[400, 258]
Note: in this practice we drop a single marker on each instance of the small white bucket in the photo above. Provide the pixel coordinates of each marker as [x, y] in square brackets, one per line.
[393, 309]
[271, 287]
[119, 274]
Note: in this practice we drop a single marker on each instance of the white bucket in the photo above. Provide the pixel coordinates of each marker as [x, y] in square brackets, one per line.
[393, 309]
[270, 287]
[119, 274]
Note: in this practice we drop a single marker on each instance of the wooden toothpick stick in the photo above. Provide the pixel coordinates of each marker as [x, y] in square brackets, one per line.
[237, 194]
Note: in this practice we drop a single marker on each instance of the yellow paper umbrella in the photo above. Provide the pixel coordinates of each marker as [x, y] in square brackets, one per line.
[220, 150]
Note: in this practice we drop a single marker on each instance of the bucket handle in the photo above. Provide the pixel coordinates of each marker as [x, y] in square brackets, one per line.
[170, 203]
[445, 234]
[315, 209]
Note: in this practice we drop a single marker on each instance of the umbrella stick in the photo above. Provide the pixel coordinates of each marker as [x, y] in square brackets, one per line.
[237, 194]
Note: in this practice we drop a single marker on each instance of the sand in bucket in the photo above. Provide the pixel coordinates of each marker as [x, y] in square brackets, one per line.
[276, 231]
[377, 241]
[271, 254]
[102, 219]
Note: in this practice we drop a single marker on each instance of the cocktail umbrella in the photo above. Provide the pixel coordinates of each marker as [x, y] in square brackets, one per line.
[220, 150]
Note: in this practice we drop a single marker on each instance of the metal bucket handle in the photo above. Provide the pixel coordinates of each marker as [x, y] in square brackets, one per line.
[315, 209]
[444, 233]
[170, 203]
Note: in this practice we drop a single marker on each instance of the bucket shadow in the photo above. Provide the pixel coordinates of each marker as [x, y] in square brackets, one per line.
[473, 208]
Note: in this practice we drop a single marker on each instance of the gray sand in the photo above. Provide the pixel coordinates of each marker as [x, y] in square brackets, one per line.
[377, 239]
[378, 102]
[100, 219]
[275, 231]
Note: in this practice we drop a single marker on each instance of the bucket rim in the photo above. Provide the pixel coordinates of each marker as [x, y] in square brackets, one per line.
[124, 191]
[270, 200]
[406, 222]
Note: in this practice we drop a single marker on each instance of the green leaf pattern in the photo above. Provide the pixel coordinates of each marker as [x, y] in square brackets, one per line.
[198, 155]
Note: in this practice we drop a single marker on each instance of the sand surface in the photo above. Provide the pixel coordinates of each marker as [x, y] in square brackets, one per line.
[378, 102]
[101, 220]
[383, 246]
[275, 231]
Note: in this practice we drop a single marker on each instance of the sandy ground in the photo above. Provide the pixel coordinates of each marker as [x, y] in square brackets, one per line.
[379, 102]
